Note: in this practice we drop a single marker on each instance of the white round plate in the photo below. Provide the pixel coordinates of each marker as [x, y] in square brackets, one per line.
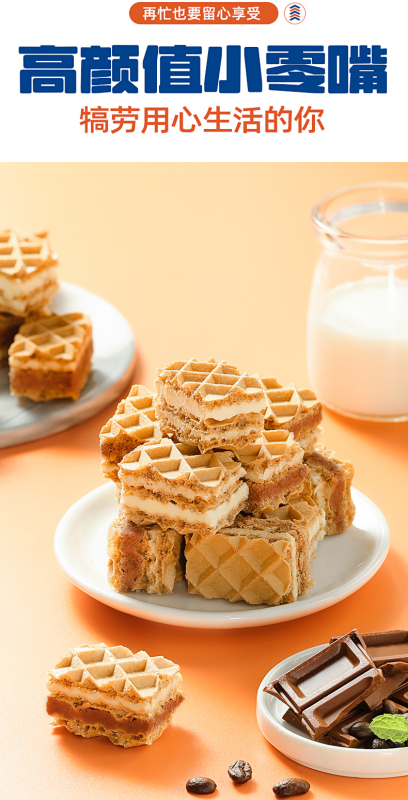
[350, 762]
[23, 420]
[343, 564]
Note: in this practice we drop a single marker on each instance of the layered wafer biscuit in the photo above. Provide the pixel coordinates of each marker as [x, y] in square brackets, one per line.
[95, 690]
[143, 558]
[9, 325]
[274, 470]
[258, 566]
[295, 410]
[177, 487]
[331, 488]
[300, 534]
[133, 422]
[28, 271]
[306, 515]
[210, 404]
[51, 357]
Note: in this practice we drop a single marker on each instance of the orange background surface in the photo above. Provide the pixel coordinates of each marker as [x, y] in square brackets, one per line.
[203, 260]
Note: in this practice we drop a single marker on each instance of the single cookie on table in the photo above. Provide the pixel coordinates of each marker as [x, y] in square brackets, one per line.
[51, 357]
[95, 690]
[274, 470]
[177, 487]
[143, 558]
[295, 410]
[258, 566]
[133, 422]
[331, 488]
[210, 404]
[28, 271]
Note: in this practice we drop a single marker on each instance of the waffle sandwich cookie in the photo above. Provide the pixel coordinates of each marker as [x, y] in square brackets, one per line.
[51, 357]
[331, 488]
[28, 271]
[244, 563]
[133, 422]
[143, 558]
[295, 410]
[95, 690]
[274, 470]
[210, 404]
[177, 487]
[309, 529]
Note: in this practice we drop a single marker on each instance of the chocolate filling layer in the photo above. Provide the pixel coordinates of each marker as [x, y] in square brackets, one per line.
[97, 716]
[259, 492]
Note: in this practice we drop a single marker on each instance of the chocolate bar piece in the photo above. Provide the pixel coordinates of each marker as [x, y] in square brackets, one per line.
[384, 646]
[325, 688]
[324, 715]
[401, 698]
[395, 674]
[321, 674]
[341, 735]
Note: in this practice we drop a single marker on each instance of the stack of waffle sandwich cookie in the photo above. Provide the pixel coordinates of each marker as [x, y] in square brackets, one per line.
[49, 355]
[214, 484]
[353, 693]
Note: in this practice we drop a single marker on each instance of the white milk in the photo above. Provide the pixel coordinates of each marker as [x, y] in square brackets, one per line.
[358, 348]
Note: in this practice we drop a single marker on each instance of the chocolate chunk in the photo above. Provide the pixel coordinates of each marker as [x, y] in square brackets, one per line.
[240, 771]
[290, 787]
[201, 785]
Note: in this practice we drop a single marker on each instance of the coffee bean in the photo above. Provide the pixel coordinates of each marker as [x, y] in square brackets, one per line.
[290, 787]
[240, 771]
[379, 744]
[389, 707]
[201, 785]
[361, 730]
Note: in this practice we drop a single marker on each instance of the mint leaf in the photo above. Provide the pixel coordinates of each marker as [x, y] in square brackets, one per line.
[390, 726]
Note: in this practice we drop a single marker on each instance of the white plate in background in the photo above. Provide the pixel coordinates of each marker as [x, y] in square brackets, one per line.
[343, 564]
[23, 420]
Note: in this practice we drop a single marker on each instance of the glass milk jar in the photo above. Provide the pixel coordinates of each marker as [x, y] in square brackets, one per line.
[358, 312]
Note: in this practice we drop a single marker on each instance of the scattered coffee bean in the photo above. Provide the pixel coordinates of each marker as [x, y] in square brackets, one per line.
[201, 785]
[389, 707]
[290, 787]
[240, 771]
[361, 730]
[378, 744]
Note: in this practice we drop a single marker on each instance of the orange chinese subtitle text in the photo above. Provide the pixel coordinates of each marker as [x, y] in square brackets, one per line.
[161, 119]
[264, 13]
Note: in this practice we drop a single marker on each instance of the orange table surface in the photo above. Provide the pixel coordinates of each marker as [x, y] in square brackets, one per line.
[203, 260]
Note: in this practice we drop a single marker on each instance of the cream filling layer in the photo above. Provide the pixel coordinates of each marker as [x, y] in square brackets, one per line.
[209, 434]
[207, 410]
[12, 287]
[130, 481]
[211, 517]
[276, 469]
[148, 706]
